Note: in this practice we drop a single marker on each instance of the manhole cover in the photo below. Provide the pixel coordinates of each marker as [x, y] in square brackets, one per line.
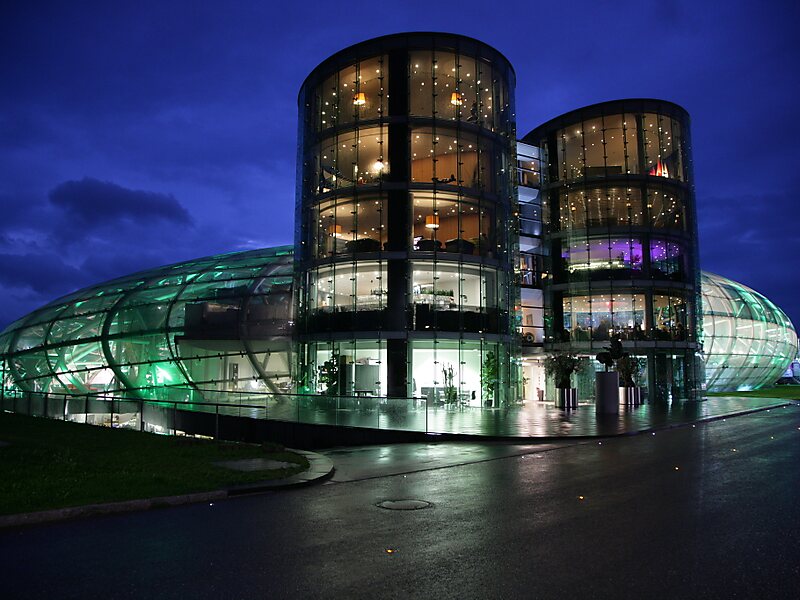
[404, 504]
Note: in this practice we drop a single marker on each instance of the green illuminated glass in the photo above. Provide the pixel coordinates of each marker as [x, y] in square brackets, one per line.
[215, 324]
[748, 341]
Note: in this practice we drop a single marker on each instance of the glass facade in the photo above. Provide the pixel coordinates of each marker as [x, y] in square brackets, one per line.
[748, 342]
[436, 263]
[186, 332]
[404, 253]
[620, 251]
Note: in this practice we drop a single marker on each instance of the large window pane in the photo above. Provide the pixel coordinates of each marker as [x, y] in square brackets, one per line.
[347, 225]
[604, 316]
[667, 259]
[357, 92]
[669, 317]
[448, 223]
[351, 158]
[666, 208]
[348, 287]
[663, 153]
[600, 207]
[602, 258]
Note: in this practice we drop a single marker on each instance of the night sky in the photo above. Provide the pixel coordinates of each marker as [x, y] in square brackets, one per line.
[139, 134]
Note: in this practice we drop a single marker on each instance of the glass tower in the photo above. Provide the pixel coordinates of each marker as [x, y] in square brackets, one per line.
[620, 240]
[405, 238]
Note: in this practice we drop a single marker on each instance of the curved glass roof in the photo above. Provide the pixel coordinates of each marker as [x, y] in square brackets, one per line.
[748, 341]
[214, 324]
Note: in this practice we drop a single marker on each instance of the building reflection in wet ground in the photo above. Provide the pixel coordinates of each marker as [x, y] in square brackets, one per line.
[531, 420]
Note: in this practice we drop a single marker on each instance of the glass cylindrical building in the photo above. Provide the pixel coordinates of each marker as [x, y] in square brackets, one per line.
[620, 239]
[405, 239]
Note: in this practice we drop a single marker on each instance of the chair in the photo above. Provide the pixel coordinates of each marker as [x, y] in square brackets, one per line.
[362, 245]
[429, 245]
[459, 245]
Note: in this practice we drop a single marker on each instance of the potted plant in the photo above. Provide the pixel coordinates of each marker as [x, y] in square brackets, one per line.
[630, 370]
[450, 391]
[489, 377]
[560, 366]
[329, 375]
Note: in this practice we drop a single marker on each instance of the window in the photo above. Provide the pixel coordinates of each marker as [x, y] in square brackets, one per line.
[446, 222]
[351, 158]
[349, 225]
[348, 287]
[667, 259]
[600, 207]
[603, 316]
[662, 146]
[602, 257]
[453, 87]
[357, 92]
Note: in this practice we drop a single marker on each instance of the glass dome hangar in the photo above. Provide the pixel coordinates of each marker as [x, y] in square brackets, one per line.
[748, 341]
[179, 332]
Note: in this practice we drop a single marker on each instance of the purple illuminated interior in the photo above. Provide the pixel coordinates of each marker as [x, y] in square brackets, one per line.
[661, 250]
[626, 250]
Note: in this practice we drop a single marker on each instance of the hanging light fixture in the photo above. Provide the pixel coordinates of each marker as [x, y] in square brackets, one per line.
[335, 231]
[432, 221]
[359, 99]
[455, 99]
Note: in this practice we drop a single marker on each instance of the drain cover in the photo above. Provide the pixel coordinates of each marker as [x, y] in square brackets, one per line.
[404, 504]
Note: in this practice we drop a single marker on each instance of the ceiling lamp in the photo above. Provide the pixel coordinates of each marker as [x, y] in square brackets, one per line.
[360, 99]
[432, 221]
[455, 99]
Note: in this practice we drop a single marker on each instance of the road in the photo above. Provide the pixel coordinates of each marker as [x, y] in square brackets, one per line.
[705, 511]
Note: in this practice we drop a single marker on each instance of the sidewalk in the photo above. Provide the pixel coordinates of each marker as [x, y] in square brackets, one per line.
[367, 462]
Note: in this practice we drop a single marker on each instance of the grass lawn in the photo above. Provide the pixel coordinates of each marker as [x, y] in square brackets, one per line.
[789, 392]
[56, 464]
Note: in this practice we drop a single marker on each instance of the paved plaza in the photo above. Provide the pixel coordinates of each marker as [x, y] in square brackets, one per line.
[529, 420]
[703, 511]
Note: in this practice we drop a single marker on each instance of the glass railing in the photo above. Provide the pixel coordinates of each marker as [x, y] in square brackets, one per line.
[192, 411]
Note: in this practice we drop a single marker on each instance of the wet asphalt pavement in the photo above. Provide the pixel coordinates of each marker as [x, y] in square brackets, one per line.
[710, 511]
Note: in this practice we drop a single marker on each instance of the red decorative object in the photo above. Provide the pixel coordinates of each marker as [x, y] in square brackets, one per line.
[659, 170]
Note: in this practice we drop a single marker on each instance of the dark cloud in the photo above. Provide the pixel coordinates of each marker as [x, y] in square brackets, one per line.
[44, 273]
[93, 203]
[752, 238]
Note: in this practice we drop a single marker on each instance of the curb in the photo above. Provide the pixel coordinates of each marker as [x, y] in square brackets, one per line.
[320, 468]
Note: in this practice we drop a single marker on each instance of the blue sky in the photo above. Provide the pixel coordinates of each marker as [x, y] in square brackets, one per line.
[138, 134]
